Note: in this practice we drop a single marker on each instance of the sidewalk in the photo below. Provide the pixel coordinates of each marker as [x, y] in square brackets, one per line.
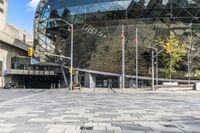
[129, 90]
[128, 111]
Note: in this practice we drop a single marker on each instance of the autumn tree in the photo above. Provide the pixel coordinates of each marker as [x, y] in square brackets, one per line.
[174, 52]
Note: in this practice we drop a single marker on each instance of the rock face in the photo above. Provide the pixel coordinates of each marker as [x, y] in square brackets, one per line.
[104, 53]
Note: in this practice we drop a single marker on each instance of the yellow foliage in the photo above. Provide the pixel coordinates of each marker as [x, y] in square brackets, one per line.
[197, 73]
[173, 49]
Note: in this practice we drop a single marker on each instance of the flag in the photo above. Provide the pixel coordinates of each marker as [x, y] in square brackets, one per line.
[123, 35]
[135, 40]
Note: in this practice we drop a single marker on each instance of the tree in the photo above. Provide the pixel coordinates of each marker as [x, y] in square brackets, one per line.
[193, 56]
[174, 52]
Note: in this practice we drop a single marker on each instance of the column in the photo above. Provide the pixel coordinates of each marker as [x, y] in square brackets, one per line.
[131, 83]
[90, 80]
[120, 82]
[76, 77]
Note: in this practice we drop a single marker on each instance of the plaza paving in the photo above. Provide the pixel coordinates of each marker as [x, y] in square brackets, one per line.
[59, 111]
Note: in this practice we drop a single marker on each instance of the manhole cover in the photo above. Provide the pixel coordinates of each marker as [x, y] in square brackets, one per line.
[86, 128]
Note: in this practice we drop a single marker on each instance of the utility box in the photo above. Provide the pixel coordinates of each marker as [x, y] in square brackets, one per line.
[196, 86]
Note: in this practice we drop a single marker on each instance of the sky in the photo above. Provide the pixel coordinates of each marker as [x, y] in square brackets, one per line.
[21, 13]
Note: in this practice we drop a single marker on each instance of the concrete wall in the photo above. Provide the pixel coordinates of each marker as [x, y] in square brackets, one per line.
[13, 30]
[9, 30]
[22, 33]
[90, 80]
[6, 53]
[13, 41]
[3, 16]
[19, 34]
[3, 55]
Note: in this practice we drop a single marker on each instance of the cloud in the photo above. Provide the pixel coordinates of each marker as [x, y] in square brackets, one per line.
[32, 5]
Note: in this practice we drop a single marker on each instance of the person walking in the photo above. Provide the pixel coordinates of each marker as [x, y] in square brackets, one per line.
[110, 83]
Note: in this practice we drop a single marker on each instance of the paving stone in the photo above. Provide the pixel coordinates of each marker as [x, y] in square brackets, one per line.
[99, 128]
[127, 131]
[113, 128]
[96, 131]
[66, 112]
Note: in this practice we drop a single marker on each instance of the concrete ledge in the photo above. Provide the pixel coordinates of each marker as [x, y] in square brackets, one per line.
[29, 72]
[174, 87]
[197, 86]
[170, 83]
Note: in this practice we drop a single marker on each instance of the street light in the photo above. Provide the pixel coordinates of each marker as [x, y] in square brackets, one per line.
[123, 57]
[189, 58]
[72, 46]
[136, 51]
[152, 63]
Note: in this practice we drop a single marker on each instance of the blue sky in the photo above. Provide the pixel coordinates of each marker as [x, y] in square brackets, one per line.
[21, 13]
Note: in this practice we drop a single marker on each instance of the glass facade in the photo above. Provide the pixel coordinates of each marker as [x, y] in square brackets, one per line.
[97, 31]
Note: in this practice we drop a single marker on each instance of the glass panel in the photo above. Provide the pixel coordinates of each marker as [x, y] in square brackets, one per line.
[20, 63]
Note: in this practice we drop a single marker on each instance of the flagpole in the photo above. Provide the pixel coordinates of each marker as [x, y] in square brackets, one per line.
[136, 62]
[123, 58]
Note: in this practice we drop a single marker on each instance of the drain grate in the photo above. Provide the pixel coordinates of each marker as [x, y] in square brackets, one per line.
[169, 126]
[86, 128]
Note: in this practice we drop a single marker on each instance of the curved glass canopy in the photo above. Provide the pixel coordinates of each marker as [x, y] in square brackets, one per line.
[97, 29]
[79, 11]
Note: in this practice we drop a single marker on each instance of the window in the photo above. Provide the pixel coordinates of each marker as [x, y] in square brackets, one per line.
[20, 63]
[2, 2]
[1, 10]
[24, 38]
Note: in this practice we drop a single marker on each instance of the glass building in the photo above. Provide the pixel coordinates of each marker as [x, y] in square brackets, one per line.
[98, 27]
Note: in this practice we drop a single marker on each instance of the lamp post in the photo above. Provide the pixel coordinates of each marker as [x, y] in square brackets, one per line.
[189, 55]
[72, 46]
[72, 49]
[136, 63]
[152, 65]
[123, 57]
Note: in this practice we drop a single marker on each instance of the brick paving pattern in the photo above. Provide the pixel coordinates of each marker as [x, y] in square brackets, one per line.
[59, 111]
